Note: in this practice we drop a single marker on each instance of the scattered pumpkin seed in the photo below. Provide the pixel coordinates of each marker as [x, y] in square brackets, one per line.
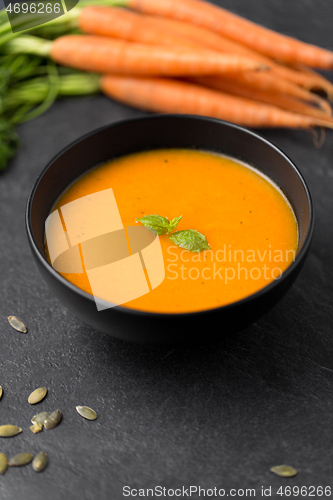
[17, 324]
[9, 430]
[37, 395]
[20, 459]
[40, 417]
[3, 463]
[284, 470]
[36, 427]
[39, 462]
[86, 412]
[1, 392]
[53, 420]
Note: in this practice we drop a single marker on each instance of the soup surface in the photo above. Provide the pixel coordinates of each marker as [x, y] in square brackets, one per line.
[248, 222]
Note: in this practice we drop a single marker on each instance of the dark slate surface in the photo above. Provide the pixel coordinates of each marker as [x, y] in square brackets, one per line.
[217, 416]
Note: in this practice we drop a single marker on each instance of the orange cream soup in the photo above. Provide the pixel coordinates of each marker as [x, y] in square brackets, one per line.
[248, 223]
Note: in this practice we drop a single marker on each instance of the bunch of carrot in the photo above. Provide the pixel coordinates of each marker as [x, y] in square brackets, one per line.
[190, 56]
[271, 94]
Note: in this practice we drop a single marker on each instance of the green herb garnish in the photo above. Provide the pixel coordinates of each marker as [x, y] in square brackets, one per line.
[158, 224]
[174, 223]
[190, 240]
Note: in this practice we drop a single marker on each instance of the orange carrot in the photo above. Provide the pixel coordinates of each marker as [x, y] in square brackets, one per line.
[106, 55]
[121, 23]
[313, 80]
[268, 42]
[307, 79]
[205, 37]
[210, 39]
[132, 26]
[267, 82]
[128, 25]
[170, 96]
[273, 98]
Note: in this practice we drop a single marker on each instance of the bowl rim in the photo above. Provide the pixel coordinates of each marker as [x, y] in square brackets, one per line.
[136, 312]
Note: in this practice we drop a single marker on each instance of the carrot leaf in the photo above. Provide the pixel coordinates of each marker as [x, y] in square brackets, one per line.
[9, 142]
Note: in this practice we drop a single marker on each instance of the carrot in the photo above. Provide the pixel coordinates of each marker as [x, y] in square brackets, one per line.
[133, 26]
[267, 82]
[210, 39]
[265, 41]
[313, 80]
[205, 37]
[106, 55]
[307, 79]
[170, 96]
[121, 23]
[128, 25]
[279, 100]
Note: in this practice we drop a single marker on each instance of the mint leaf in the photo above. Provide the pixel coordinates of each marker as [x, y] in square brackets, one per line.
[174, 223]
[190, 240]
[155, 223]
[158, 224]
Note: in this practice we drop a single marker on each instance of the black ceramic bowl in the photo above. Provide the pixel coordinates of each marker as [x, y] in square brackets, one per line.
[167, 131]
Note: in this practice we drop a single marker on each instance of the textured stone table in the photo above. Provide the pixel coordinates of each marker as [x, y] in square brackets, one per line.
[217, 416]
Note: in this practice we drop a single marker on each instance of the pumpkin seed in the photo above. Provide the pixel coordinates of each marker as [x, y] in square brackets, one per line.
[37, 395]
[39, 462]
[53, 420]
[284, 470]
[86, 412]
[20, 459]
[3, 463]
[36, 427]
[40, 417]
[9, 430]
[1, 392]
[17, 324]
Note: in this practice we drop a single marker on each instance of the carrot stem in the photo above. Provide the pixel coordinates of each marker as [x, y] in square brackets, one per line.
[68, 20]
[50, 97]
[28, 44]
